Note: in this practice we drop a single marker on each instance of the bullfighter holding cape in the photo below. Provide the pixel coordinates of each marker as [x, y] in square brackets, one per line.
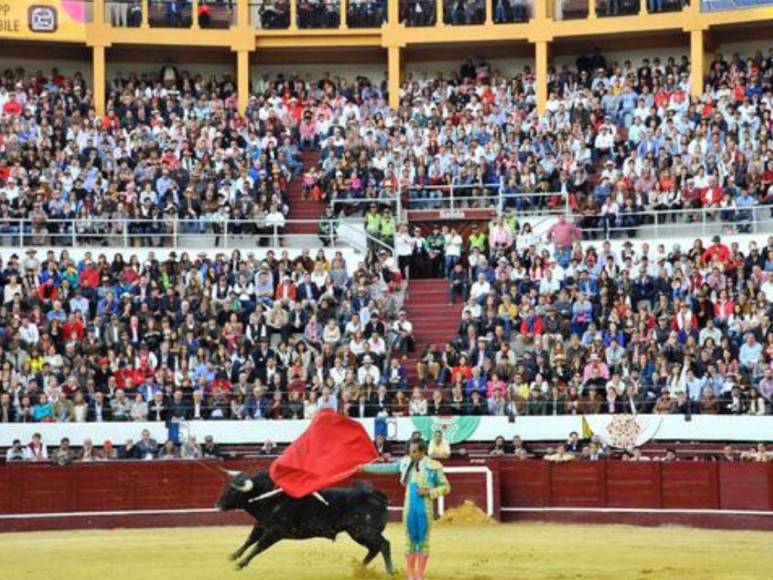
[334, 448]
[424, 481]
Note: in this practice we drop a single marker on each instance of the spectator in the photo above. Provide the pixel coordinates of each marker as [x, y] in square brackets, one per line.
[63, 455]
[147, 447]
[169, 451]
[210, 450]
[190, 449]
[36, 450]
[439, 447]
[561, 455]
[15, 452]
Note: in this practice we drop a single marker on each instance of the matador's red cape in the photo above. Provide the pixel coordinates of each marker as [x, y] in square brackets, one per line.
[328, 452]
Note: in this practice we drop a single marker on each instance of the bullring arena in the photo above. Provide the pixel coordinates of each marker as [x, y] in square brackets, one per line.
[481, 286]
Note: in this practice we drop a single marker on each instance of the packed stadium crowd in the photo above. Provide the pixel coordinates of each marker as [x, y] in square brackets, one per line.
[548, 325]
[557, 329]
[615, 143]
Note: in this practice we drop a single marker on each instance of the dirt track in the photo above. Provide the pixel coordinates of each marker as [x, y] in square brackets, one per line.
[522, 551]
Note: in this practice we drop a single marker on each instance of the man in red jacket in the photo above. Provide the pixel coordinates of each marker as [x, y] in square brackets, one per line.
[716, 249]
[89, 276]
[12, 107]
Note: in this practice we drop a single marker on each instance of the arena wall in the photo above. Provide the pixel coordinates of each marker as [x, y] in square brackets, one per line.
[140, 494]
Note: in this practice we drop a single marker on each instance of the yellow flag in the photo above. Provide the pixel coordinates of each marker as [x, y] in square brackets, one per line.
[587, 433]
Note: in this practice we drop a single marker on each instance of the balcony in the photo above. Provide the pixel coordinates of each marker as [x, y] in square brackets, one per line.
[293, 16]
[579, 9]
[215, 14]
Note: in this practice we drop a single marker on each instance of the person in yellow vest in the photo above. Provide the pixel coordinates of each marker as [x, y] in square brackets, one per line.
[373, 221]
[424, 481]
[477, 239]
[388, 227]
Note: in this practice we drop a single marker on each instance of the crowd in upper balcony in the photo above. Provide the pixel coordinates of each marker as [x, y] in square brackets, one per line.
[615, 142]
[170, 146]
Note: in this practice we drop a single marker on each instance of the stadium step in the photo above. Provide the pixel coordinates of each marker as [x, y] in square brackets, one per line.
[434, 320]
[301, 209]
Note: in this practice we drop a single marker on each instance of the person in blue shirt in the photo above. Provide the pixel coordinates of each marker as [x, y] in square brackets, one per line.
[745, 204]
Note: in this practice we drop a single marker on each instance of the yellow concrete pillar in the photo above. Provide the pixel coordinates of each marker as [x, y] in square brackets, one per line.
[543, 11]
[243, 13]
[393, 13]
[195, 14]
[697, 62]
[243, 78]
[344, 8]
[293, 14]
[145, 14]
[394, 55]
[541, 73]
[99, 79]
[439, 13]
[99, 13]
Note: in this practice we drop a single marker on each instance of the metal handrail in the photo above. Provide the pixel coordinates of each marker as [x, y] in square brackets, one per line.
[502, 196]
[711, 220]
[72, 232]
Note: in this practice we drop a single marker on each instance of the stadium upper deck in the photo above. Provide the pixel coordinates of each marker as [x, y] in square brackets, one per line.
[247, 28]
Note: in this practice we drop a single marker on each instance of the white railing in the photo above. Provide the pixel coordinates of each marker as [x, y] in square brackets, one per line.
[490, 196]
[205, 232]
[229, 234]
[706, 221]
[171, 233]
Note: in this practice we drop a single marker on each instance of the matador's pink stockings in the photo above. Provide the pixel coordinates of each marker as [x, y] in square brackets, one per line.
[421, 566]
[410, 564]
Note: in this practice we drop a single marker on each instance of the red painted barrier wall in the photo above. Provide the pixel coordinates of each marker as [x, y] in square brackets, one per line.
[162, 486]
[646, 485]
[127, 487]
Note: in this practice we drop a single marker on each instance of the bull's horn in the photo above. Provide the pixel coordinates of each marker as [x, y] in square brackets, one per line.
[320, 498]
[230, 473]
[268, 494]
[246, 486]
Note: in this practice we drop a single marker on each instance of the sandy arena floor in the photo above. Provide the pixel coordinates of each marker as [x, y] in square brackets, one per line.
[478, 552]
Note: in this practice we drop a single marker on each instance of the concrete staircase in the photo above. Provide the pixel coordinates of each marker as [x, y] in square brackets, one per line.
[301, 209]
[434, 320]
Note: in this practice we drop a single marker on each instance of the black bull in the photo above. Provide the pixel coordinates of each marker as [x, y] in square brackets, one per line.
[360, 511]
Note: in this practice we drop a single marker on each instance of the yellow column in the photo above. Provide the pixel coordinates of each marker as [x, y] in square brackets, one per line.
[697, 62]
[393, 13]
[541, 73]
[243, 13]
[195, 14]
[145, 14]
[439, 13]
[293, 14]
[394, 55]
[543, 11]
[99, 80]
[99, 12]
[344, 8]
[243, 78]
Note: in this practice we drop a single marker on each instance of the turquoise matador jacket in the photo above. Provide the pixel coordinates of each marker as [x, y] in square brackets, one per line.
[418, 511]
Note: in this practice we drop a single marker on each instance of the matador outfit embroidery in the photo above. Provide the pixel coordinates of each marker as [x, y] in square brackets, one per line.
[418, 511]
